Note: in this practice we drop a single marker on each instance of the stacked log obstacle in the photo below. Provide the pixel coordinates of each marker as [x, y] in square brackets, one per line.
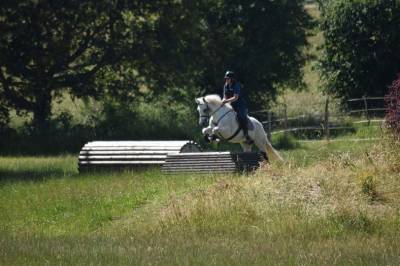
[99, 155]
[211, 162]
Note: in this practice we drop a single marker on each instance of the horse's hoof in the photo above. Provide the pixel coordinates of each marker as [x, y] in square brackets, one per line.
[264, 154]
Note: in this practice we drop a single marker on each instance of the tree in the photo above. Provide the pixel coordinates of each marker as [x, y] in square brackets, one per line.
[130, 48]
[260, 40]
[361, 51]
[48, 47]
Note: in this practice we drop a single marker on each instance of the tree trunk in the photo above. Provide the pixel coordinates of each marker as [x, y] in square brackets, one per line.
[42, 112]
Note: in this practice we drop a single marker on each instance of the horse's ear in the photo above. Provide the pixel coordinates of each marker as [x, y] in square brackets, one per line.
[196, 100]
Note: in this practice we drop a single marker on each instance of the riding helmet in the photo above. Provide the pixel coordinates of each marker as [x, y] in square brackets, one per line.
[229, 74]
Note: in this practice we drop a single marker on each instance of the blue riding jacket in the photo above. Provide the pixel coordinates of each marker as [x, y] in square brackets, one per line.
[240, 105]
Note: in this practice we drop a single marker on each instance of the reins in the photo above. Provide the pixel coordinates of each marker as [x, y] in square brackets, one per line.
[208, 115]
[216, 123]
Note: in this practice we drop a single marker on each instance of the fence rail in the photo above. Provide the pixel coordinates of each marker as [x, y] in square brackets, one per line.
[367, 110]
[282, 124]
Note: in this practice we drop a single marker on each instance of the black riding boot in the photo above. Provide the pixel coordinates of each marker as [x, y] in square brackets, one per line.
[246, 132]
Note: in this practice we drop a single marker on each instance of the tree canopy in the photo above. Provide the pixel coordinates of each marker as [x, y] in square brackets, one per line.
[130, 48]
[48, 47]
[260, 40]
[362, 52]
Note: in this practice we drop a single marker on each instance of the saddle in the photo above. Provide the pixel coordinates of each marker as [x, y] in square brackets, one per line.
[250, 124]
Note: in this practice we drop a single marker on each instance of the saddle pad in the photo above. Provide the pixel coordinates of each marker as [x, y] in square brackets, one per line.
[250, 125]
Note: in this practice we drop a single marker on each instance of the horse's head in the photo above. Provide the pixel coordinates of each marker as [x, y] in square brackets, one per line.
[207, 106]
[204, 111]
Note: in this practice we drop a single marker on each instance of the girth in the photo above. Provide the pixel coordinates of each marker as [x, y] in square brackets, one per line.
[234, 134]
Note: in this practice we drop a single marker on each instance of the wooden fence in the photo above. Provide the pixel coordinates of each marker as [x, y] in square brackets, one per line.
[366, 110]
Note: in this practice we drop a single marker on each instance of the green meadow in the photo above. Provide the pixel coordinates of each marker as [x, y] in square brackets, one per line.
[335, 202]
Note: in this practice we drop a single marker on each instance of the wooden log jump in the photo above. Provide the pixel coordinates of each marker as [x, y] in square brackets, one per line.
[130, 154]
[211, 162]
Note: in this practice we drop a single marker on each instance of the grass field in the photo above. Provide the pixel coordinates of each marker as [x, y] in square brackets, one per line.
[328, 203]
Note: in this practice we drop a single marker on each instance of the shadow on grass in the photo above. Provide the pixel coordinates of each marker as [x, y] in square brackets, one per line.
[33, 175]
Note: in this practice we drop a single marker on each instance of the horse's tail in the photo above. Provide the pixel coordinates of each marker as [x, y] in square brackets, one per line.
[272, 153]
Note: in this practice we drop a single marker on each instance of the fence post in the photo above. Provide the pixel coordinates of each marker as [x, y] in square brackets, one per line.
[366, 109]
[285, 122]
[326, 122]
[269, 126]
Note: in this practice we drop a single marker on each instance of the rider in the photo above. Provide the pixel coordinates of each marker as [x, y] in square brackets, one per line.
[233, 94]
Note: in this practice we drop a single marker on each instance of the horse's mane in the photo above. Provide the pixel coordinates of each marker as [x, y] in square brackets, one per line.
[216, 100]
[213, 98]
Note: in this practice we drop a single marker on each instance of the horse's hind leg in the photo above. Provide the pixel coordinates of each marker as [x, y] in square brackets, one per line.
[265, 156]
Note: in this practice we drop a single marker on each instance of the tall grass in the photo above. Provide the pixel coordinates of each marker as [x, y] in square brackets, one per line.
[328, 203]
[47, 196]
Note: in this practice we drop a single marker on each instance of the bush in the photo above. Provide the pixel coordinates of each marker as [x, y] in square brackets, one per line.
[368, 185]
[285, 142]
[392, 100]
[146, 121]
[114, 120]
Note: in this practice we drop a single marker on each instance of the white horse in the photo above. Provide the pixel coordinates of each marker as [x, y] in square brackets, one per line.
[220, 120]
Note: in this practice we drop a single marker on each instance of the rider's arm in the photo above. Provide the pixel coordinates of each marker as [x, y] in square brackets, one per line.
[236, 89]
[231, 100]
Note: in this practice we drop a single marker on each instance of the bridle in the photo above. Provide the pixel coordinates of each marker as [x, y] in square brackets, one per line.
[206, 111]
[208, 115]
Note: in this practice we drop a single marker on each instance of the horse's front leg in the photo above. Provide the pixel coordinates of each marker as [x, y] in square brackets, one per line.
[216, 131]
[208, 134]
[207, 131]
